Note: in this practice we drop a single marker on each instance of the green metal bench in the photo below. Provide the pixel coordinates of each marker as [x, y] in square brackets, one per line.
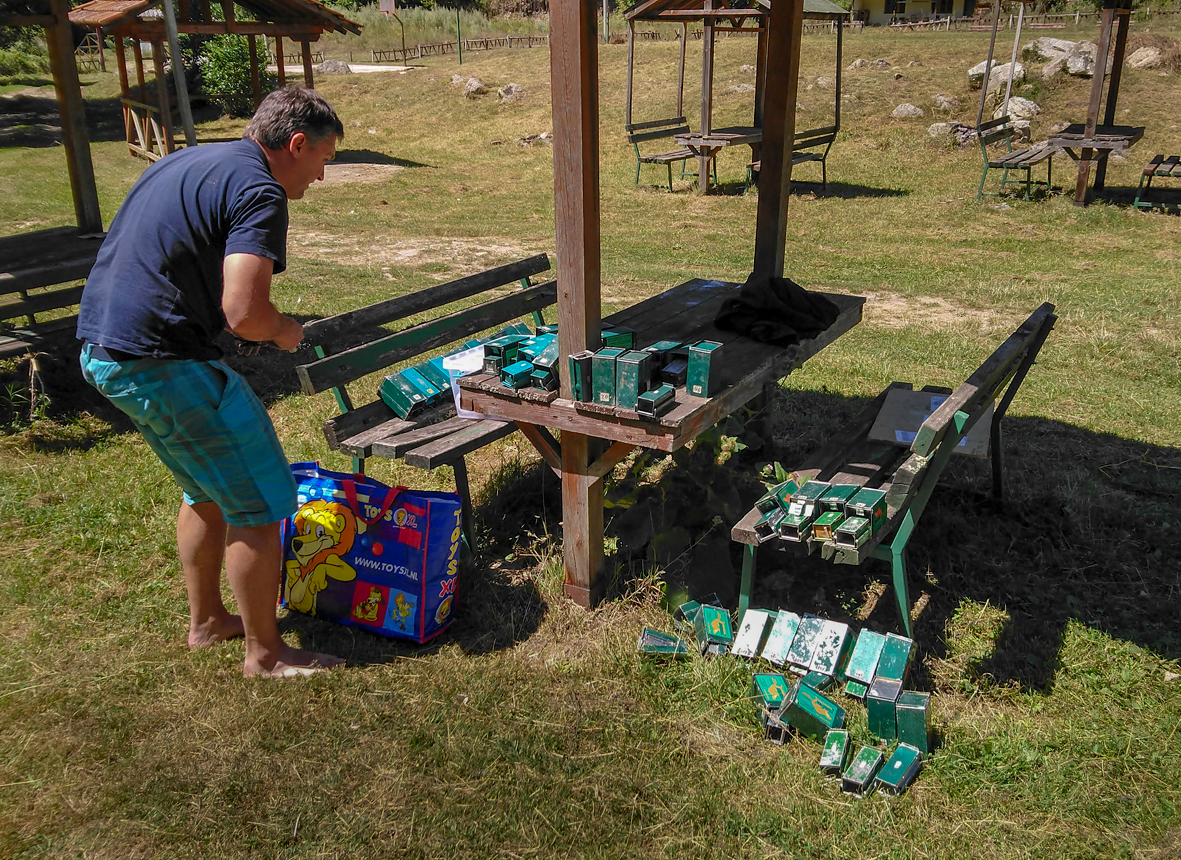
[803, 150]
[1161, 166]
[907, 474]
[1019, 161]
[663, 129]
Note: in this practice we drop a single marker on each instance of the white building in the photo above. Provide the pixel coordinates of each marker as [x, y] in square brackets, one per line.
[881, 12]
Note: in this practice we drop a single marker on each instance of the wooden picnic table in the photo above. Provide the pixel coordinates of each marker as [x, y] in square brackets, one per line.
[706, 145]
[1095, 147]
[685, 314]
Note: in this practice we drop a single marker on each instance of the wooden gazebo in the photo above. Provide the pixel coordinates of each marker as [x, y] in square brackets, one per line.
[594, 438]
[30, 263]
[148, 119]
[725, 17]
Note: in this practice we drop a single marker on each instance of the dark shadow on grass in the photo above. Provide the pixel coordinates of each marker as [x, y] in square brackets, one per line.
[842, 190]
[33, 121]
[1085, 533]
[496, 605]
[368, 156]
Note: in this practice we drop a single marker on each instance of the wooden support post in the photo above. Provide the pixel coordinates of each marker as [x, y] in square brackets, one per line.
[574, 75]
[75, 141]
[761, 73]
[707, 96]
[784, 37]
[142, 89]
[840, 64]
[1086, 154]
[681, 72]
[631, 62]
[1117, 68]
[124, 86]
[178, 74]
[102, 54]
[162, 95]
[279, 61]
[306, 51]
[255, 78]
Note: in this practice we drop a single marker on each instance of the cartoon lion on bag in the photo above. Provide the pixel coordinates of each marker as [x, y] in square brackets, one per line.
[324, 531]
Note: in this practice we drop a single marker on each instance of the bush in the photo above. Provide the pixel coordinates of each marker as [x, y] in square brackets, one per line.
[225, 74]
[22, 52]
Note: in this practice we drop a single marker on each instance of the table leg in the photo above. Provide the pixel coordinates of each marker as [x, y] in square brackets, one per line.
[582, 522]
[1084, 173]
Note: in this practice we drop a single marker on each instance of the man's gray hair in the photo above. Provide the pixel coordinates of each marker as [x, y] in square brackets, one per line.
[290, 110]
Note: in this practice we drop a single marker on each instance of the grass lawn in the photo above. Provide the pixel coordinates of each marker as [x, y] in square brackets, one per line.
[1047, 630]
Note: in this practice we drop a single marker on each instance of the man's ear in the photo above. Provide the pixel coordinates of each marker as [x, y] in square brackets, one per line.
[297, 142]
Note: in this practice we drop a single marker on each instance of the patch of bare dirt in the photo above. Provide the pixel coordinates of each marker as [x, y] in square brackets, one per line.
[460, 256]
[338, 174]
[892, 310]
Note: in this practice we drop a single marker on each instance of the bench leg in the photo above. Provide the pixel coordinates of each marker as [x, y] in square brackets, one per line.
[980, 191]
[669, 165]
[895, 554]
[465, 501]
[749, 559]
[637, 171]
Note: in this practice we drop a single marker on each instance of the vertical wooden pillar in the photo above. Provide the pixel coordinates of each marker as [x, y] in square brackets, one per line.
[75, 140]
[141, 88]
[1123, 16]
[162, 95]
[707, 95]
[840, 64]
[631, 62]
[124, 86]
[102, 54]
[681, 71]
[279, 61]
[306, 52]
[1086, 154]
[574, 75]
[784, 36]
[178, 74]
[760, 72]
[255, 80]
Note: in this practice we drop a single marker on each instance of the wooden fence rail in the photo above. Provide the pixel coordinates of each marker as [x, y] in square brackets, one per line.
[399, 55]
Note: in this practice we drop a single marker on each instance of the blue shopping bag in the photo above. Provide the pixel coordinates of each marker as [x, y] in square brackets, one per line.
[382, 558]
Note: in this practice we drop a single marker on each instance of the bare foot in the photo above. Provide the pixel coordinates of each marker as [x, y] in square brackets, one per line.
[292, 663]
[215, 630]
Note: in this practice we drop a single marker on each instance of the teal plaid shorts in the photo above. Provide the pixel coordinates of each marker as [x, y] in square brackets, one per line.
[210, 430]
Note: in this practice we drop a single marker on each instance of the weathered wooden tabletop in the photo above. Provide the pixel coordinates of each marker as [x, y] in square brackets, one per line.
[685, 314]
[1109, 137]
[720, 137]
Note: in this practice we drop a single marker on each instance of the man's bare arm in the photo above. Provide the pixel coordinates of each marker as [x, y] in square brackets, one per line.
[246, 302]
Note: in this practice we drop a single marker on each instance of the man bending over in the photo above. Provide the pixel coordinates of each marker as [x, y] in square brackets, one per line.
[191, 252]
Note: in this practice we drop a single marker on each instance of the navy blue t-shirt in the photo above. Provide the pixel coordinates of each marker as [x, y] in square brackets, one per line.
[156, 287]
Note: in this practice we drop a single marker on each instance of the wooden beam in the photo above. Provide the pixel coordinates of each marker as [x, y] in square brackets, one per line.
[124, 85]
[631, 62]
[681, 72]
[279, 61]
[162, 98]
[784, 37]
[1086, 154]
[178, 74]
[1117, 68]
[707, 97]
[75, 140]
[548, 447]
[574, 75]
[761, 77]
[255, 78]
[306, 52]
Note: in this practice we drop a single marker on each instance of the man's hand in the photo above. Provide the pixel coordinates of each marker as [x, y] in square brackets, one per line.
[291, 336]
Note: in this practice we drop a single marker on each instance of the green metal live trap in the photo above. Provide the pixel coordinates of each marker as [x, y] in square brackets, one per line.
[859, 775]
[603, 375]
[704, 372]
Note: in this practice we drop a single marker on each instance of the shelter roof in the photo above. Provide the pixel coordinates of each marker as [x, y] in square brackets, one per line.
[692, 10]
[112, 14]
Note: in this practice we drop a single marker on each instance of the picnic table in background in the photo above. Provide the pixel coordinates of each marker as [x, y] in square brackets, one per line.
[1095, 147]
[707, 144]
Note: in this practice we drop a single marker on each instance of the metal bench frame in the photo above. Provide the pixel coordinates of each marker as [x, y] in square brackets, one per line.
[1017, 160]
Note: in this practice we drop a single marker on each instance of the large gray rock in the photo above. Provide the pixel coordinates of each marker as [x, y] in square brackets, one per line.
[881, 64]
[859, 63]
[1080, 62]
[998, 78]
[940, 129]
[907, 110]
[1145, 58]
[510, 92]
[1019, 108]
[824, 83]
[458, 79]
[747, 67]
[1046, 48]
[474, 88]
[333, 67]
[946, 103]
[1053, 67]
[739, 88]
[976, 73]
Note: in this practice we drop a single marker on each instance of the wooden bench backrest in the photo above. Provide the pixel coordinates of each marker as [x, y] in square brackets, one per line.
[970, 401]
[815, 137]
[995, 130]
[656, 129]
[361, 360]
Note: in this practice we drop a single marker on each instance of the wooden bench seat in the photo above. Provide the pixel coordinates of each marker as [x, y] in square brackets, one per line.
[38, 281]
[1022, 160]
[811, 145]
[1161, 166]
[662, 129]
[907, 473]
[360, 346]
